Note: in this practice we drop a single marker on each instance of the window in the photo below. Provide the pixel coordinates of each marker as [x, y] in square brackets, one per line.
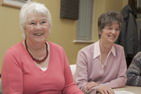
[84, 26]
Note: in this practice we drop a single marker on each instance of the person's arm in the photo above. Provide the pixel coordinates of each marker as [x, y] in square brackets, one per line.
[134, 71]
[70, 86]
[81, 75]
[12, 78]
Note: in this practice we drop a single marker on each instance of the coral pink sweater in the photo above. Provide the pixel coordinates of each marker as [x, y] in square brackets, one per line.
[20, 75]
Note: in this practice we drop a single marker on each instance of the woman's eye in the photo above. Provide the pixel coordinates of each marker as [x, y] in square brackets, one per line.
[32, 23]
[110, 28]
[43, 22]
[116, 29]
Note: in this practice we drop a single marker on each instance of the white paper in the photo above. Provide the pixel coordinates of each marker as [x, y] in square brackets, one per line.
[123, 92]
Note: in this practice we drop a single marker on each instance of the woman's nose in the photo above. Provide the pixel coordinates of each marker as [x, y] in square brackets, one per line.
[113, 31]
[38, 26]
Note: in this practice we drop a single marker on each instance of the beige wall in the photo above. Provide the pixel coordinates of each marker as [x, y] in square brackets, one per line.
[63, 31]
[111, 6]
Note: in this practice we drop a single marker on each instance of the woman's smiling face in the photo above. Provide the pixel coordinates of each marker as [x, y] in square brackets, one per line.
[36, 28]
[111, 32]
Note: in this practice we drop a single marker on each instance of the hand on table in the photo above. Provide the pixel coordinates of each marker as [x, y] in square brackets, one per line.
[90, 85]
[104, 90]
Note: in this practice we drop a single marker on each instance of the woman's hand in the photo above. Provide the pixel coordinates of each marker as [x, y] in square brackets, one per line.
[104, 90]
[90, 85]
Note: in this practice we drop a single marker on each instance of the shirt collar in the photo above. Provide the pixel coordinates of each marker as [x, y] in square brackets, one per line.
[97, 50]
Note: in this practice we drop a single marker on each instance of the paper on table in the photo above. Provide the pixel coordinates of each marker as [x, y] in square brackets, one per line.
[123, 92]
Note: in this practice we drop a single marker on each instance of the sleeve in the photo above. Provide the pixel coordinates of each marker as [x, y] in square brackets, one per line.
[70, 86]
[81, 75]
[12, 78]
[134, 72]
[121, 79]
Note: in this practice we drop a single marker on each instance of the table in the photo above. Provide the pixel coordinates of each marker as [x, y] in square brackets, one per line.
[134, 89]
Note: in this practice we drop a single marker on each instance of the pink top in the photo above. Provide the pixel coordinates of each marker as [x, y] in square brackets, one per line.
[20, 75]
[89, 68]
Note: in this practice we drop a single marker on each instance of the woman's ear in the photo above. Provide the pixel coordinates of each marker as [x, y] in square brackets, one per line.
[99, 34]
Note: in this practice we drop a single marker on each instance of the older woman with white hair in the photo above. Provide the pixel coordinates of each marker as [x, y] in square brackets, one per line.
[35, 65]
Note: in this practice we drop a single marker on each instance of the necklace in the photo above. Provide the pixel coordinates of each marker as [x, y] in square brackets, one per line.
[37, 60]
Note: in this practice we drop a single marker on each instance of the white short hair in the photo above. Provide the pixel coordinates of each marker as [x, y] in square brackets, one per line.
[34, 8]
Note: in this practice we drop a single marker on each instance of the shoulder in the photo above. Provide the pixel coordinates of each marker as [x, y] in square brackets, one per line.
[119, 48]
[87, 51]
[56, 49]
[138, 56]
[14, 53]
[136, 63]
[54, 45]
[14, 49]
[87, 48]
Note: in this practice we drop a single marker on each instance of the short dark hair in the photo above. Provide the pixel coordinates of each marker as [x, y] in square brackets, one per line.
[109, 17]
